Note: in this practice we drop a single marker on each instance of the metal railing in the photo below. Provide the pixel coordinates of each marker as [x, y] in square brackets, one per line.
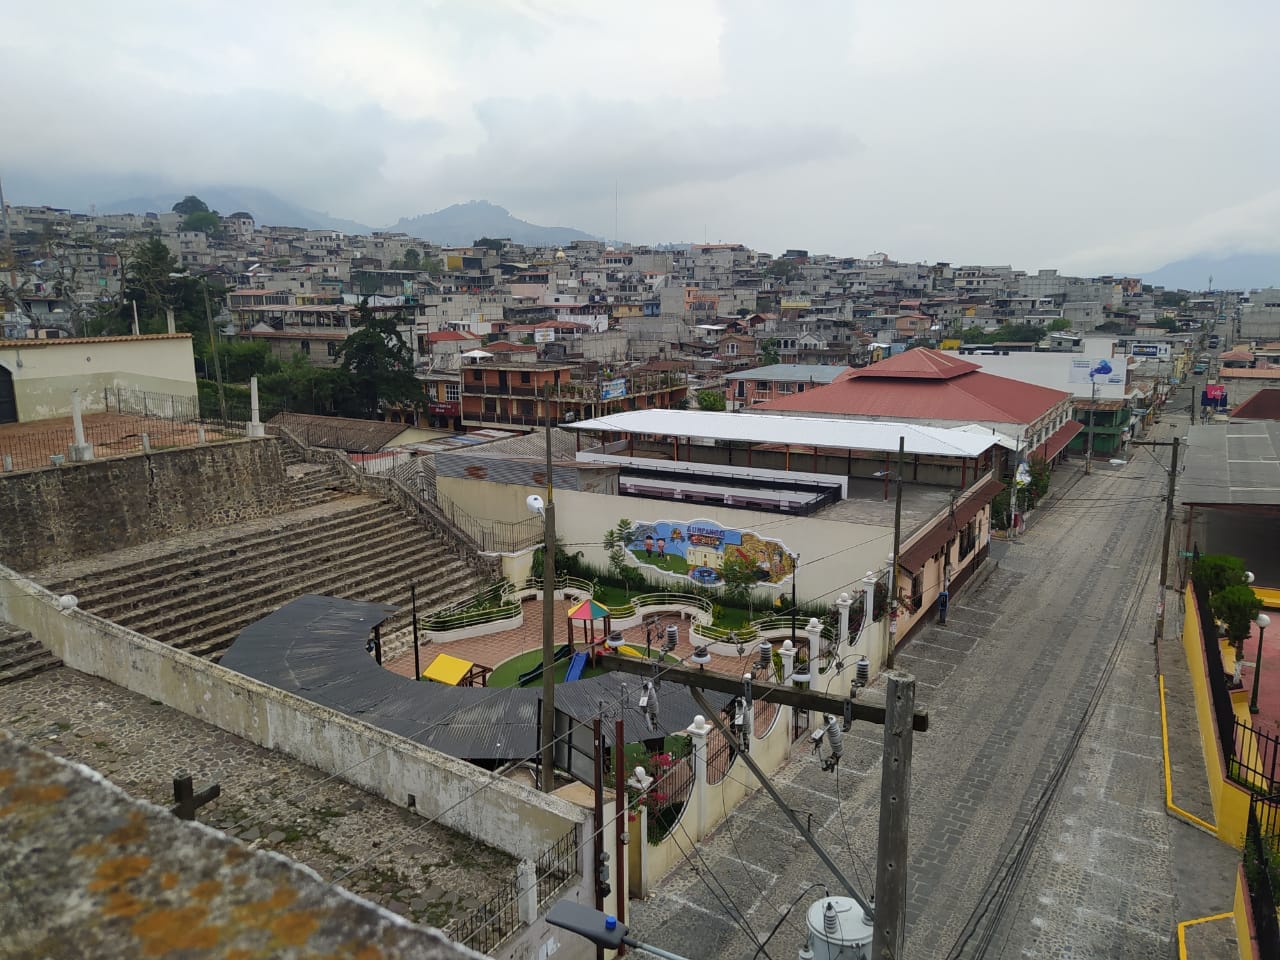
[719, 756]
[1262, 873]
[493, 536]
[498, 918]
[1254, 758]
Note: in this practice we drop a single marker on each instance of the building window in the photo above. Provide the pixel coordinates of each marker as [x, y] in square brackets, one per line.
[524, 376]
[491, 406]
[451, 392]
[477, 375]
[917, 590]
[305, 346]
[332, 348]
[740, 390]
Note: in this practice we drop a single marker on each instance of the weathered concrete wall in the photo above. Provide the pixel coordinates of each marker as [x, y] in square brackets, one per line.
[83, 509]
[46, 371]
[498, 812]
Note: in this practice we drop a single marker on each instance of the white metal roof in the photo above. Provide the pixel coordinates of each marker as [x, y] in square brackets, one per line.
[832, 432]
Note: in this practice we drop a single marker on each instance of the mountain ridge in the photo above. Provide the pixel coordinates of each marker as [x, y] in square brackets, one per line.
[461, 224]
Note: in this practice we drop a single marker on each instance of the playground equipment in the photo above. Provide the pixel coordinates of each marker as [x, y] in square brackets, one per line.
[529, 676]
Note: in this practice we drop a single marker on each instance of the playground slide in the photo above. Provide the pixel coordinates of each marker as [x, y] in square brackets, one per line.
[529, 676]
[630, 652]
[576, 666]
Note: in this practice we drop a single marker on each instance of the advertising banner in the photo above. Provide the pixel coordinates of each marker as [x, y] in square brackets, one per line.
[613, 389]
[545, 335]
[1102, 370]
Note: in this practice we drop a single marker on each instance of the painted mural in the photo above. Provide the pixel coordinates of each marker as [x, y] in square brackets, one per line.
[697, 550]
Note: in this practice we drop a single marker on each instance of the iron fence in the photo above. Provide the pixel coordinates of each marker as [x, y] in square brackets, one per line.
[1254, 758]
[719, 756]
[557, 867]
[1262, 873]
[493, 536]
[498, 918]
[1223, 714]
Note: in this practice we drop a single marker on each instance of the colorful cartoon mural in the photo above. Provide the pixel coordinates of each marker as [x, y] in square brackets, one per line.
[697, 550]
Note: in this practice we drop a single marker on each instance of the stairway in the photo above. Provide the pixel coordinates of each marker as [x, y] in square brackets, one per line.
[21, 655]
[198, 592]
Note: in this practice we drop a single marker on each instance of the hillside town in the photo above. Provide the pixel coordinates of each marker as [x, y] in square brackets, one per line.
[381, 554]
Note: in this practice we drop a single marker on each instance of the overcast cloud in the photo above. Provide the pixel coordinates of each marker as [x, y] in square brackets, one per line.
[1096, 136]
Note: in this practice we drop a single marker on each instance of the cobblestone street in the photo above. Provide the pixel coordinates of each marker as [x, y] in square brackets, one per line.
[426, 873]
[1037, 809]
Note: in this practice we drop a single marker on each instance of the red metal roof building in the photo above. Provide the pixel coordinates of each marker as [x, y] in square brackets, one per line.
[938, 389]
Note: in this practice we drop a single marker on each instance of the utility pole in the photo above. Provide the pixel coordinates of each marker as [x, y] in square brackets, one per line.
[897, 546]
[888, 926]
[548, 620]
[213, 347]
[1093, 399]
[1168, 527]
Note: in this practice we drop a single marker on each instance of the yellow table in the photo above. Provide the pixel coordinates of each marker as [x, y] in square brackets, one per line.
[447, 670]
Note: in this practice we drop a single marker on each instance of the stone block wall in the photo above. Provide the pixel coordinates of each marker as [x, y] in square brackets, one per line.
[84, 509]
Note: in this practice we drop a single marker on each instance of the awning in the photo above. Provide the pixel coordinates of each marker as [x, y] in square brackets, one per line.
[447, 670]
[1058, 440]
[915, 555]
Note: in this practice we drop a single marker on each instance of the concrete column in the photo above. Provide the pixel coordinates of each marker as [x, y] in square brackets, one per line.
[168, 313]
[80, 450]
[146, 443]
[863, 646]
[527, 891]
[698, 730]
[749, 714]
[843, 603]
[254, 428]
[788, 653]
[813, 629]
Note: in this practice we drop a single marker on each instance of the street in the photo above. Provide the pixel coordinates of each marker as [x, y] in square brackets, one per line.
[1037, 806]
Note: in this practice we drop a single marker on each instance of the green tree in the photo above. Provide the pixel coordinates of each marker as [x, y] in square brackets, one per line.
[1236, 606]
[710, 400]
[412, 259]
[242, 359]
[1062, 323]
[769, 352]
[739, 575]
[1012, 333]
[494, 245]
[190, 204]
[203, 221]
[1217, 571]
[378, 363]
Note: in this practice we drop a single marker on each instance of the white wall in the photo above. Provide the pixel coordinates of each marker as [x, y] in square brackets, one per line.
[1051, 370]
[46, 371]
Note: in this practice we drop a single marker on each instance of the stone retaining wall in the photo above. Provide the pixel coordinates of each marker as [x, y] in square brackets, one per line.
[83, 509]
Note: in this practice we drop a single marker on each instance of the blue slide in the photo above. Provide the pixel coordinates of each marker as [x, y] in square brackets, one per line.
[575, 667]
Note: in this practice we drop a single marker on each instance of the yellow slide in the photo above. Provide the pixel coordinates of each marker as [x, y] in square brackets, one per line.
[630, 652]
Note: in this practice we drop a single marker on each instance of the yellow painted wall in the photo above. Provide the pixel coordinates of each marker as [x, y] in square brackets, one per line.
[46, 371]
[1230, 801]
[1240, 916]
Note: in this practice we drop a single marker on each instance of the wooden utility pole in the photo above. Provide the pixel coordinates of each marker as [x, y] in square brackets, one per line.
[899, 717]
[888, 925]
[1168, 528]
[548, 621]
[619, 820]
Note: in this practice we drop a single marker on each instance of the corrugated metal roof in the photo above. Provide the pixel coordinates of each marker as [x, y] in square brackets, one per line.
[831, 432]
[314, 647]
[793, 372]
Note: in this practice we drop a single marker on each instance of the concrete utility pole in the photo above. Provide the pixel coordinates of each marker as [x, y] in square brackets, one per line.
[889, 925]
[1168, 528]
[1093, 400]
[548, 621]
[897, 546]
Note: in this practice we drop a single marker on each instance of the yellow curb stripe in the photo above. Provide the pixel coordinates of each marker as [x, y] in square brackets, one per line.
[1182, 930]
[1173, 808]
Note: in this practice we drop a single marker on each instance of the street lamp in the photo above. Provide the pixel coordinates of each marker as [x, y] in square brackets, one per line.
[1263, 621]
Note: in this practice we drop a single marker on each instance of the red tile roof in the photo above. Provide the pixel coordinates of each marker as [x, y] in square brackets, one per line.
[916, 554]
[919, 364]
[926, 385]
[1263, 405]
[1058, 440]
[440, 336]
[504, 346]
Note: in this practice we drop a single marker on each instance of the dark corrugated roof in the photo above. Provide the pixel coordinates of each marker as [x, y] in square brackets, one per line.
[314, 647]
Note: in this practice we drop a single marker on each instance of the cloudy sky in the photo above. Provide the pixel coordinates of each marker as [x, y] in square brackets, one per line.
[1096, 135]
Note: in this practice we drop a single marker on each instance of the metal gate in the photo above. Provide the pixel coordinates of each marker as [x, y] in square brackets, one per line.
[8, 398]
